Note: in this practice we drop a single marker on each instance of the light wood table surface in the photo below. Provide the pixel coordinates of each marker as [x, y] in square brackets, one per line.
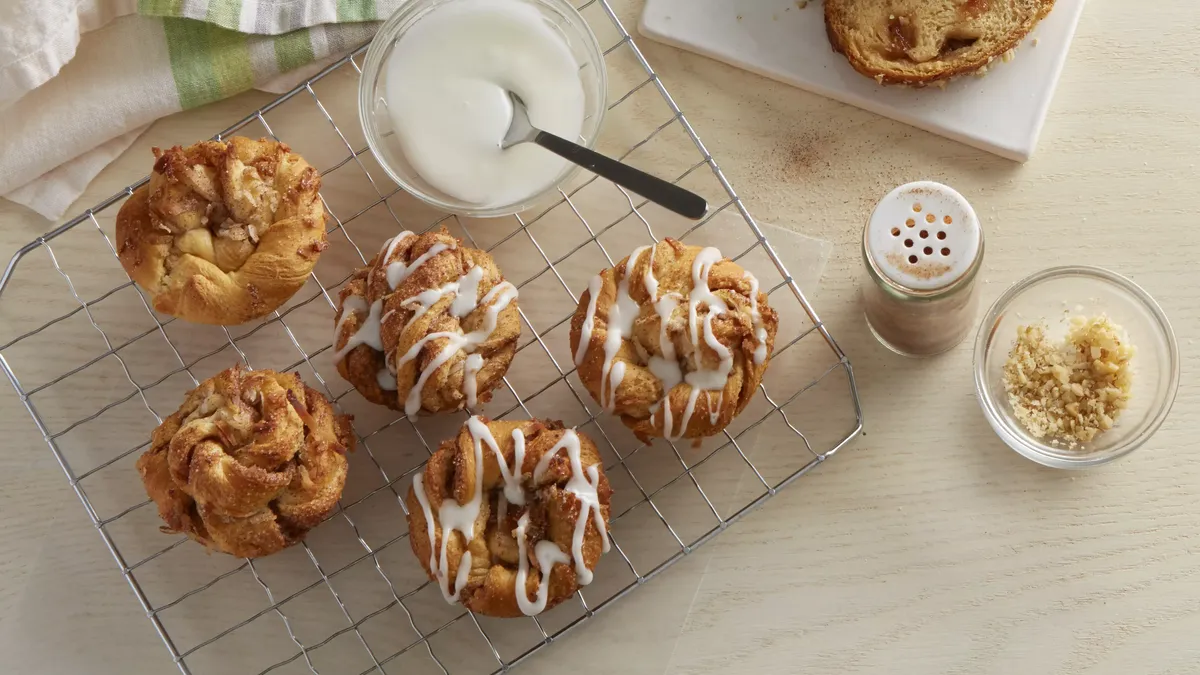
[926, 546]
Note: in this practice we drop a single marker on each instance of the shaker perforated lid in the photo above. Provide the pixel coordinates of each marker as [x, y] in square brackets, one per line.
[923, 236]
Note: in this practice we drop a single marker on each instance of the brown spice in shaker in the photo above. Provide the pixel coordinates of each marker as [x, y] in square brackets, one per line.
[920, 299]
[921, 328]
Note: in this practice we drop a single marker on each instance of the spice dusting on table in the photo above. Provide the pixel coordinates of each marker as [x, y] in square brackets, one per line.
[1071, 392]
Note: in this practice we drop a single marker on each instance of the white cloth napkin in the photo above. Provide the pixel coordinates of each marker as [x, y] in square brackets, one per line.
[80, 80]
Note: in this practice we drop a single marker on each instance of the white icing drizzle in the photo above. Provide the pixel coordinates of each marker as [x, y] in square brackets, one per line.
[398, 271]
[648, 278]
[701, 378]
[503, 294]
[466, 295]
[666, 367]
[548, 555]
[423, 301]
[760, 331]
[386, 379]
[368, 330]
[452, 516]
[665, 308]
[412, 403]
[700, 293]
[466, 292]
[512, 483]
[687, 416]
[471, 370]
[514, 492]
[666, 371]
[621, 315]
[589, 320]
[664, 405]
[461, 517]
[434, 566]
[389, 247]
[582, 484]
[714, 411]
[705, 378]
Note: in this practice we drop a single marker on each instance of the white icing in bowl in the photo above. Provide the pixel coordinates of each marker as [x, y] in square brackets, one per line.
[466, 172]
[446, 92]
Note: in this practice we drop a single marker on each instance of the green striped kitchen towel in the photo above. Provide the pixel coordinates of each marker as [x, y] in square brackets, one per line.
[208, 63]
[109, 68]
[270, 17]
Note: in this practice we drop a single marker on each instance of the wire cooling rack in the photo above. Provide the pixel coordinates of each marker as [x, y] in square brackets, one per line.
[101, 369]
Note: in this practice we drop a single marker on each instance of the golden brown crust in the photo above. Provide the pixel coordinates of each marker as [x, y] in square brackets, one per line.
[638, 399]
[490, 587]
[249, 463]
[225, 231]
[921, 42]
[436, 268]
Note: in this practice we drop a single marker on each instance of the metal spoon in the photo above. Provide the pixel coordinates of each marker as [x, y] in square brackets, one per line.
[657, 190]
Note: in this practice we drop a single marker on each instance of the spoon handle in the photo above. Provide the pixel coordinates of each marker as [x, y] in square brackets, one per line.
[684, 202]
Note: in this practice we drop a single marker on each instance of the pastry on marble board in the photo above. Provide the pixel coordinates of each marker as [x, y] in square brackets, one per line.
[429, 325]
[921, 42]
[674, 340]
[225, 231]
[249, 463]
[510, 518]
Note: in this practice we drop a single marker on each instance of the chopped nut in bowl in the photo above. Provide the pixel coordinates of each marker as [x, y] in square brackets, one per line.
[1075, 367]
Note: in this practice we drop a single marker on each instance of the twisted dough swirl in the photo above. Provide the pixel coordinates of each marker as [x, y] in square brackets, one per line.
[674, 339]
[249, 463]
[428, 325]
[225, 232]
[510, 518]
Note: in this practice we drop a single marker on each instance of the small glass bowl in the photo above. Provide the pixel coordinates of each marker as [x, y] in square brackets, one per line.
[1053, 296]
[377, 125]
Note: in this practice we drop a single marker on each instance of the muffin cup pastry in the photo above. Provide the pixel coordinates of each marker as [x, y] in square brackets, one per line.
[428, 325]
[225, 231]
[674, 340]
[249, 463]
[510, 518]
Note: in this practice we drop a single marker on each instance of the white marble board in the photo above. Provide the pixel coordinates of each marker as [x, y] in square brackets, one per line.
[1001, 113]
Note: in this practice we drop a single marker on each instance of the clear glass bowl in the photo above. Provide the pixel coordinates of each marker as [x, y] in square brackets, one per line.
[1052, 296]
[376, 124]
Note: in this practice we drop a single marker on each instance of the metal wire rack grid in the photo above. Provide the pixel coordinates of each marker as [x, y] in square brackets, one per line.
[683, 466]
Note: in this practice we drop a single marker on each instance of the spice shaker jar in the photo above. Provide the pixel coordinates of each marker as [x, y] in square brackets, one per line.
[922, 247]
